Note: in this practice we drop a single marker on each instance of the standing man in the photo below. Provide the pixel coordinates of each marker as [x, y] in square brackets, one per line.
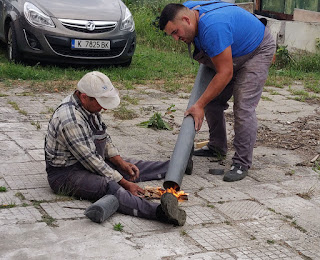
[239, 48]
[82, 161]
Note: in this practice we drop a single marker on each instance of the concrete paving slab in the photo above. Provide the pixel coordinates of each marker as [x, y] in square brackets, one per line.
[137, 226]
[37, 154]
[20, 215]
[4, 137]
[219, 237]
[266, 191]
[27, 241]
[303, 186]
[207, 256]
[40, 194]
[25, 168]
[199, 215]
[222, 195]
[265, 252]
[166, 244]
[9, 198]
[307, 246]
[272, 229]
[18, 182]
[66, 209]
[303, 212]
[194, 182]
[244, 209]
[11, 152]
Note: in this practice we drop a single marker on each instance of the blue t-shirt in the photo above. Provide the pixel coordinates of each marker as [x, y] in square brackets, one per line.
[226, 26]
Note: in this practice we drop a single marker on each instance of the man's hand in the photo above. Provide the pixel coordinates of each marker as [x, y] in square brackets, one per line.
[132, 187]
[131, 170]
[126, 167]
[197, 113]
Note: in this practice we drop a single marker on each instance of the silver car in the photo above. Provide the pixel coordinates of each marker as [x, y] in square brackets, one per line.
[68, 31]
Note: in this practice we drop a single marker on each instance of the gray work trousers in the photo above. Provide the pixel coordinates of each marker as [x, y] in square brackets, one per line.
[246, 87]
[77, 181]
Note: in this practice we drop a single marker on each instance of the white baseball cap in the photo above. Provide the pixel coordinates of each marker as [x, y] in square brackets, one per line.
[97, 85]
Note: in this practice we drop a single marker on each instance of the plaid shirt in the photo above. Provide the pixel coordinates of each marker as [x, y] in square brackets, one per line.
[70, 139]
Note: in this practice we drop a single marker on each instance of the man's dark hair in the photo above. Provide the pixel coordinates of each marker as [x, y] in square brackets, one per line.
[168, 14]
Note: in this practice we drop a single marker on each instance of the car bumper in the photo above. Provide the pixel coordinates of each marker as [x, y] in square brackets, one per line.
[54, 44]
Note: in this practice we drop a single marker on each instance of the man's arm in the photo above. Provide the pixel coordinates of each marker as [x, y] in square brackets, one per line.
[129, 168]
[224, 72]
[76, 138]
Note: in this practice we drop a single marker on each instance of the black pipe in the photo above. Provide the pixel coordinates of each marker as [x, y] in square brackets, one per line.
[184, 144]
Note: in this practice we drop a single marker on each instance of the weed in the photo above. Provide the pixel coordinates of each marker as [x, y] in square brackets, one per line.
[184, 96]
[317, 43]
[20, 196]
[183, 232]
[16, 107]
[290, 173]
[49, 220]
[3, 95]
[221, 202]
[25, 204]
[253, 238]
[272, 210]
[266, 98]
[227, 223]
[316, 167]
[118, 227]
[313, 86]
[294, 224]
[308, 194]
[156, 121]
[124, 113]
[273, 92]
[210, 206]
[36, 124]
[283, 57]
[131, 100]
[271, 242]
[3, 189]
[6, 206]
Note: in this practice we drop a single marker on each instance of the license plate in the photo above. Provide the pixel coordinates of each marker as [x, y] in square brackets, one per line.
[90, 44]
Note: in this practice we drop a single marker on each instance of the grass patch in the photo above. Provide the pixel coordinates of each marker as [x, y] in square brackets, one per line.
[266, 98]
[3, 189]
[50, 221]
[131, 100]
[123, 113]
[16, 107]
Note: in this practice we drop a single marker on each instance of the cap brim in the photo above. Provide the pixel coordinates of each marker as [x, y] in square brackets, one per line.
[109, 102]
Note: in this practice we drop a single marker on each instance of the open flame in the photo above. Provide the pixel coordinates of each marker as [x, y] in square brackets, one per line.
[181, 195]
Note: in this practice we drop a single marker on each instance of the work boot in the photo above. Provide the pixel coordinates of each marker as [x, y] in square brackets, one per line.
[169, 211]
[236, 173]
[205, 151]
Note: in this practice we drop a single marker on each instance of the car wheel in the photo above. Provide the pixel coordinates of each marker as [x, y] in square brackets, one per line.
[12, 46]
[127, 63]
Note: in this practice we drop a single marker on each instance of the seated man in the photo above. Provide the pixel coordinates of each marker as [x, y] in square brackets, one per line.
[82, 161]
